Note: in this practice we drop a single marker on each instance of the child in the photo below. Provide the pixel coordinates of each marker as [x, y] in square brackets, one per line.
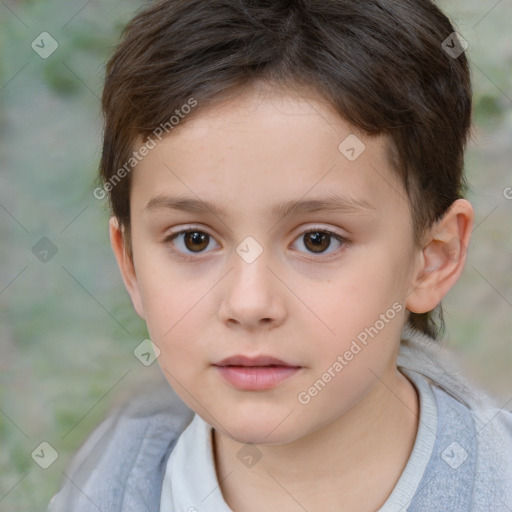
[286, 187]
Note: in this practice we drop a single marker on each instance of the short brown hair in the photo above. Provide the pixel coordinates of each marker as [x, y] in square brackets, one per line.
[379, 63]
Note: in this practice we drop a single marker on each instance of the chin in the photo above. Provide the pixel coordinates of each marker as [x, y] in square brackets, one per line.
[265, 430]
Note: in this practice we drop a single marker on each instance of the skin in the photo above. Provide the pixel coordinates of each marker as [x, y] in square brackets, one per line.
[351, 442]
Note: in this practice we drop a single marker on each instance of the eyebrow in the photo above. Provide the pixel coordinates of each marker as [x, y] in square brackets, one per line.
[332, 202]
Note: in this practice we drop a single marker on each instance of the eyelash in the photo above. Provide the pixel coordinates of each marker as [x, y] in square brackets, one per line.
[188, 257]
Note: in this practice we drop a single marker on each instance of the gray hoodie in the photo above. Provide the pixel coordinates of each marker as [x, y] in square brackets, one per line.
[121, 466]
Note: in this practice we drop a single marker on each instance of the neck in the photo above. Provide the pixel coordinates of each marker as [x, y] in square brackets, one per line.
[356, 460]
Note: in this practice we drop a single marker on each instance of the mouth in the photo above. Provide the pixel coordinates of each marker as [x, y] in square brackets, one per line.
[255, 373]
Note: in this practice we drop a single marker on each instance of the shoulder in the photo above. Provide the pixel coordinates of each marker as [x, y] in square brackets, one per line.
[126, 451]
[473, 452]
[470, 467]
[493, 433]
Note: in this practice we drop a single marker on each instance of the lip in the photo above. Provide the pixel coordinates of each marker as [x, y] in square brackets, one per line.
[263, 360]
[255, 373]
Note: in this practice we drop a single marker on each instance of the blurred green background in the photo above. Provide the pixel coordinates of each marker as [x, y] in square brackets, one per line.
[67, 329]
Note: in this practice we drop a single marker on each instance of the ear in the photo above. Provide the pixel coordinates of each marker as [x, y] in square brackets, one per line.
[441, 260]
[125, 264]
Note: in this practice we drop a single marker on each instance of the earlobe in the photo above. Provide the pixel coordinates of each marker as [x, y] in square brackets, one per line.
[441, 260]
[125, 264]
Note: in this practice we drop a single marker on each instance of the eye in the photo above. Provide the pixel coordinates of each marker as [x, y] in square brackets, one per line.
[318, 240]
[194, 240]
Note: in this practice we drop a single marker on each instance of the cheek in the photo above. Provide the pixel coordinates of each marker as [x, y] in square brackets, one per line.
[168, 304]
[346, 366]
[175, 319]
[356, 297]
[362, 315]
[165, 294]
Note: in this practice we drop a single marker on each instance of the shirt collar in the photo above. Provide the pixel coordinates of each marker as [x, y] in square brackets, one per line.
[190, 483]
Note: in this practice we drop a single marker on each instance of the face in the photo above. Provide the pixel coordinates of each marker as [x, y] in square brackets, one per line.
[322, 286]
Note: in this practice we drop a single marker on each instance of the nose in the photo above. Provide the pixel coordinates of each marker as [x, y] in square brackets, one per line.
[253, 297]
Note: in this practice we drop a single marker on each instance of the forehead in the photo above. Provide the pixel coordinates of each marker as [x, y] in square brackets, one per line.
[264, 148]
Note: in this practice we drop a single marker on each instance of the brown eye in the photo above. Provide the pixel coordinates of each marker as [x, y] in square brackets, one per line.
[196, 241]
[189, 242]
[317, 241]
